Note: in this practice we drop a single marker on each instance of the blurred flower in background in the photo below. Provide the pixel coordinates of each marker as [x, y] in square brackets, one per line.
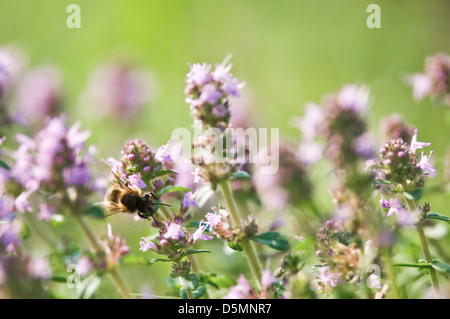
[11, 64]
[435, 82]
[289, 185]
[38, 95]
[117, 89]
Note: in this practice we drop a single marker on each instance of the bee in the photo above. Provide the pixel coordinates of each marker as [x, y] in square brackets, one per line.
[122, 198]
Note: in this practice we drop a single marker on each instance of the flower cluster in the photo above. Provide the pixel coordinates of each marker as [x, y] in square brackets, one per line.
[141, 166]
[435, 82]
[39, 95]
[208, 92]
[10, 66]
[55, 160]
[119, 90]
[394, 206]
[173, 242]
[340, 121]
[340, 258]
[219, 224]
[400, 166]
[114, 248]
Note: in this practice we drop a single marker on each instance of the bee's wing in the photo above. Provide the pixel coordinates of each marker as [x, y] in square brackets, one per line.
[116, 177]
[111, 207]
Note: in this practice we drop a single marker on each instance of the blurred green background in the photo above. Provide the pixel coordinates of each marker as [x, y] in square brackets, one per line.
[287, 52]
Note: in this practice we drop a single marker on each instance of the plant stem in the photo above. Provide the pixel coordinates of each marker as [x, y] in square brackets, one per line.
[166, 212]
[92, 238]
[118, 281]
[247, 245]
[426, 251]
[189, 293]
[42, 233]
[411, 265]
[96, 246]
[391, 274]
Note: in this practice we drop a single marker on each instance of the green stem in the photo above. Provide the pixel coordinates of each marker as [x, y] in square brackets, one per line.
[426, 251]
[96, 246]
[118, 281]
[36, 226]
[166, 212]
[247, 245]
[391, 274]
[189, 293]
[90, 235]
[411, 265]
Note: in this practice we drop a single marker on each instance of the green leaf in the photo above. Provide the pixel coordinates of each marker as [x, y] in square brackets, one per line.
[438, 217]
[413, 195]
[195, 251]
[189, 282]
[381, 181]
[272, 239]
[89, 286]
[221, 281]
[173, 189]
[135, 260]
[4, 165]
[61, 279]
[154, 260]
[94, 212]
[183, 293]
[241, 175]
[165, 172]
[423, 266]
[440, 266]
[196, 293]
[234, 245]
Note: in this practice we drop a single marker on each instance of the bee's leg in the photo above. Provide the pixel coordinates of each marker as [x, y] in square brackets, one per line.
[146, 217]
[156, 222]
[154, 196]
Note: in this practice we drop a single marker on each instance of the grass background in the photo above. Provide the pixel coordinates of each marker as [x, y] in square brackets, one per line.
[288, 53]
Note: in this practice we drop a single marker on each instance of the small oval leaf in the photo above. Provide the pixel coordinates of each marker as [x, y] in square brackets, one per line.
[4, 165]
[234, 245]
[195, 251]
[173, 189]
[441, 266]
[189, 282]
[413, 195]
[272, 239]
[241, 175]
[438, 217]
[94, 212]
